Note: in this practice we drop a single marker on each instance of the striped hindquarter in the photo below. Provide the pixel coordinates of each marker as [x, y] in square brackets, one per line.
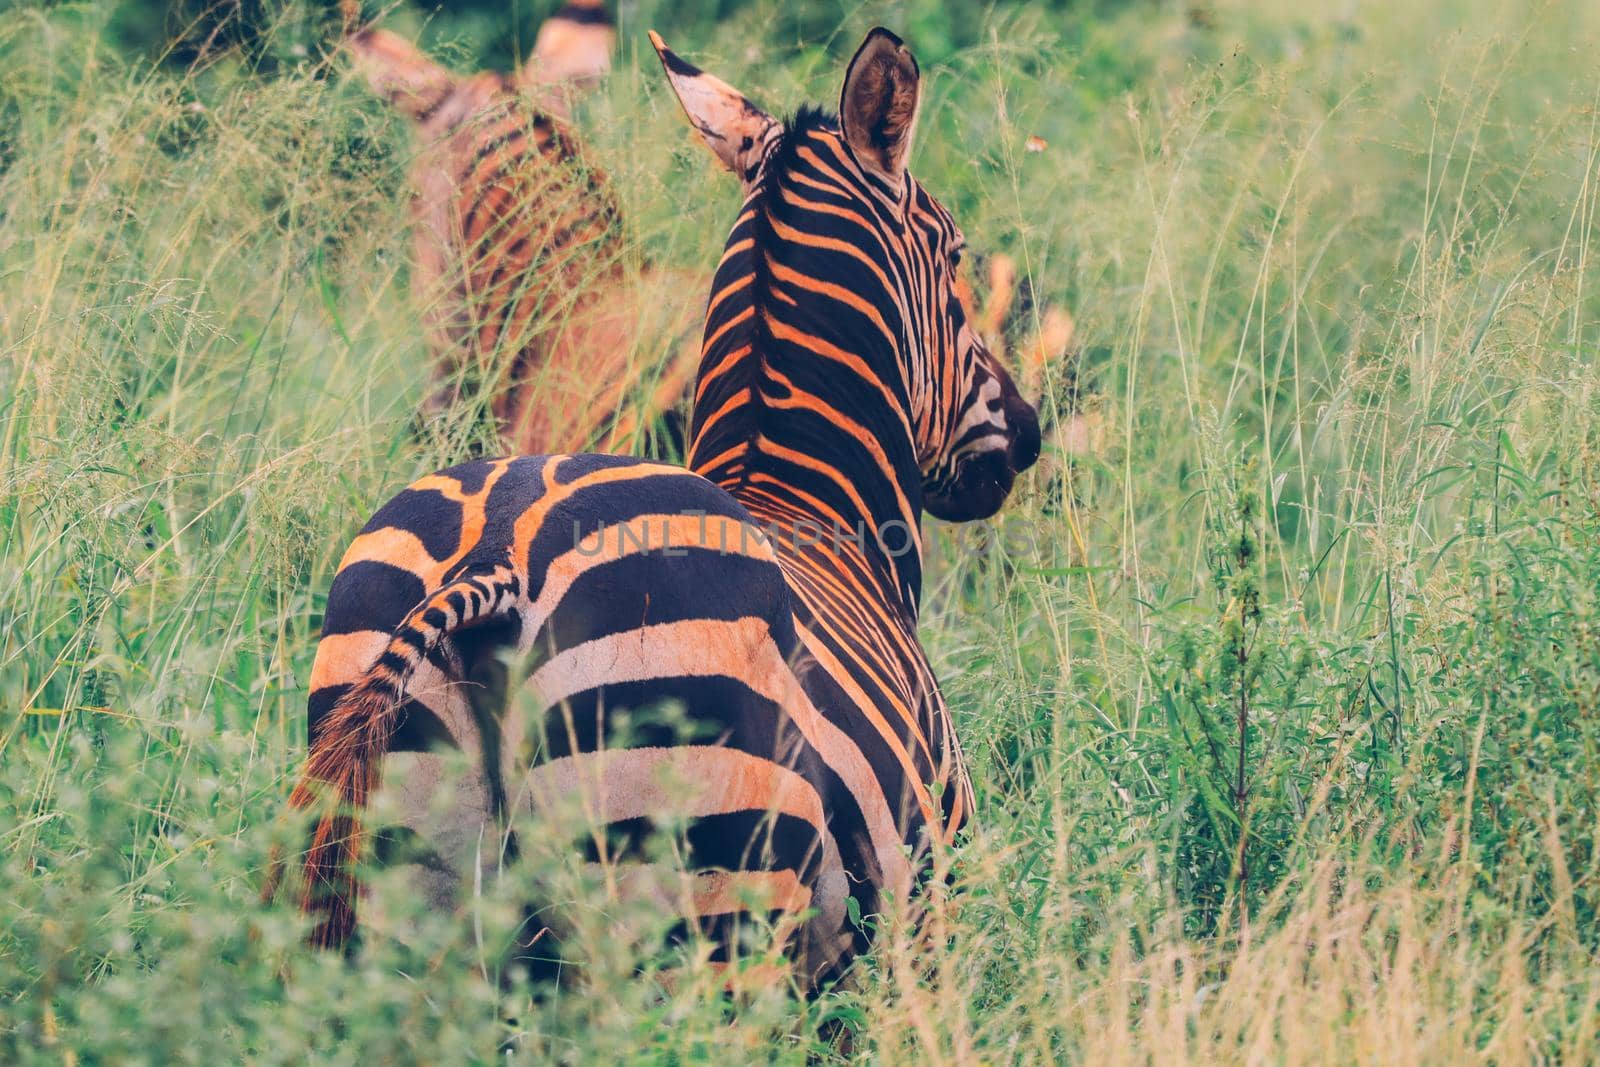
[623, 584]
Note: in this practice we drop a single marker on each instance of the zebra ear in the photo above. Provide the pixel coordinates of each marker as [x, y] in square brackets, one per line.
[571, 53]
[399, 73]
[733, 128]
[878, 105]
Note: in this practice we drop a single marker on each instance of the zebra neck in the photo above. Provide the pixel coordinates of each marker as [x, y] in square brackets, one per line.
[801, 414]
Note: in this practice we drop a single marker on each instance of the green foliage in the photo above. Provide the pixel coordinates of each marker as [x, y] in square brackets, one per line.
[1338, 525]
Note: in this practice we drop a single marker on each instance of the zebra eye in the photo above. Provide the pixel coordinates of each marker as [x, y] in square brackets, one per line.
[955, 257]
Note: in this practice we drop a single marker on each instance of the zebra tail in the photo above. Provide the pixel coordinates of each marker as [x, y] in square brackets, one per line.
[342, 769]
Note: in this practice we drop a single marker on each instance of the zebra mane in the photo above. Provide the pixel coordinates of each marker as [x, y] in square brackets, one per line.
[763, 201]
[810, 117]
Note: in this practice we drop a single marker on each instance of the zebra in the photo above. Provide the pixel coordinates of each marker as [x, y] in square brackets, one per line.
[519, 247]
[841, 394]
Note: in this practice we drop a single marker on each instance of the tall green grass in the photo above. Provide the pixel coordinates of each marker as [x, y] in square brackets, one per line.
[1333, 276]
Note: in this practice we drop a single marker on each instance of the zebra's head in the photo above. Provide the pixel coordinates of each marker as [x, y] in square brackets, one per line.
[883, 257]
[570, 56]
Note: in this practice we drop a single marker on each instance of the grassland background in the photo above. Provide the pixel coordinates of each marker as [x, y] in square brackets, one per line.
[1333, 273]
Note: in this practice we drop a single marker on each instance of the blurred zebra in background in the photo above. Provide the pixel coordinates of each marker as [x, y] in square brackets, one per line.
[520, 261]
